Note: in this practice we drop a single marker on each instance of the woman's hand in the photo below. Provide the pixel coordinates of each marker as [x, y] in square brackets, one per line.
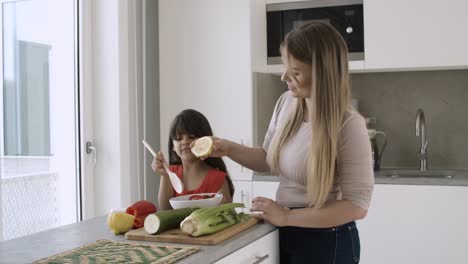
[157, 164]
[271, 211]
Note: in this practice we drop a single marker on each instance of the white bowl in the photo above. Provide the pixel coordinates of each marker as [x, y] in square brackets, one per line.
[184, 201]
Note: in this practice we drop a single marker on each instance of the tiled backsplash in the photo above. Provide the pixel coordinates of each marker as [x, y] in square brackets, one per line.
[267, 89]
[394, 97]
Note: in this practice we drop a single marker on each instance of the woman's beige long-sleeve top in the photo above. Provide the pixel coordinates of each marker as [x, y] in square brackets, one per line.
[354, 178]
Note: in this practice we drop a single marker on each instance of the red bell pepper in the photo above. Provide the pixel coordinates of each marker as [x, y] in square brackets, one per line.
[141, 210]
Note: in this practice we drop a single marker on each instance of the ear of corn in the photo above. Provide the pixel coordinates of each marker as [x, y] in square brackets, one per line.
[210, 220]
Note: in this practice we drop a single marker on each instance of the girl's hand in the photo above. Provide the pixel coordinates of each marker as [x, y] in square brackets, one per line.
[157, 164]
[220, 148]
[271, 211]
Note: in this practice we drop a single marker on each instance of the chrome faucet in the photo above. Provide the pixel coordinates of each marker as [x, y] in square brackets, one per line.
[421, 132]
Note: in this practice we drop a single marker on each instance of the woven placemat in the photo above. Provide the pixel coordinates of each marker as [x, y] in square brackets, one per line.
[108, 251]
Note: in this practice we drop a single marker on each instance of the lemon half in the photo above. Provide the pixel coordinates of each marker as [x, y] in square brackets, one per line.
[202, 147]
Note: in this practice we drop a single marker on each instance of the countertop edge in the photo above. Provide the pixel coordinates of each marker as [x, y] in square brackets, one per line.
[460, 180]
[47, 243]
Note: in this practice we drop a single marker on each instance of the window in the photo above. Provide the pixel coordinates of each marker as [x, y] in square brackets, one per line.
[39, 122]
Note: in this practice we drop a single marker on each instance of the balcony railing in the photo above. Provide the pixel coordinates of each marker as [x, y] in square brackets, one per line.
[28, 196]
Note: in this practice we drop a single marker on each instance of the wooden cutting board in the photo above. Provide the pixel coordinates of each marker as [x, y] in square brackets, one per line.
[176, 235]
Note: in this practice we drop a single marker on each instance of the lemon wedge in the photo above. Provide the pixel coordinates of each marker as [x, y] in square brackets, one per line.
[202, 147]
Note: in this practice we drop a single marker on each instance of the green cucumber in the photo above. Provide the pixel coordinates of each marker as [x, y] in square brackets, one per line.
[165, 220]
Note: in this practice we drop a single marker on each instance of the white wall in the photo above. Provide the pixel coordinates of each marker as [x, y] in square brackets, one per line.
[119, 113]
[110, 109]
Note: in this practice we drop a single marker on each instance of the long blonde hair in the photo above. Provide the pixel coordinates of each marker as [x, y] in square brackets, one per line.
[321, 46]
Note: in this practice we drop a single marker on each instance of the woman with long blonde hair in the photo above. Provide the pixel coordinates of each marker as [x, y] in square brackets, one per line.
[319, 146]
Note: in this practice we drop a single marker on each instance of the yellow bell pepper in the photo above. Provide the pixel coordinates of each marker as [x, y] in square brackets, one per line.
[120, 222]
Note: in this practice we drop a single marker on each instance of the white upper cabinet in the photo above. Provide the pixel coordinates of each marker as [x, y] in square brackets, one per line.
[417, 34]
[404, 35]
[205, 64]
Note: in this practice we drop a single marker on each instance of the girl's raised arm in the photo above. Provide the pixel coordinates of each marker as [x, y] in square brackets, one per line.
[165, 187]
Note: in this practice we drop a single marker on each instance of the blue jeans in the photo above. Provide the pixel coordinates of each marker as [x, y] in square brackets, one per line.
[336, 245]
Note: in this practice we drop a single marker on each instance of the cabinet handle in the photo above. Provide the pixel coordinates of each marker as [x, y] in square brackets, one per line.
[260, 259]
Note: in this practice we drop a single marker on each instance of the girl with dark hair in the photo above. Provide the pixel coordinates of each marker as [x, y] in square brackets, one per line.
[198, 176]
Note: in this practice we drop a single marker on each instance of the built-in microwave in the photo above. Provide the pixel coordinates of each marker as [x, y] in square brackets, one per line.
[345, 15]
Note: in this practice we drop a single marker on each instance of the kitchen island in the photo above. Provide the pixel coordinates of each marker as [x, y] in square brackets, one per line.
[47, 243]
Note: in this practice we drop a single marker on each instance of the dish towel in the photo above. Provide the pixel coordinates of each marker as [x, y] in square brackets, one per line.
[108, 251]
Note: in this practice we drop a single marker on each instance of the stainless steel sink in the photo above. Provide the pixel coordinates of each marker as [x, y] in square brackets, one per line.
[447, 174]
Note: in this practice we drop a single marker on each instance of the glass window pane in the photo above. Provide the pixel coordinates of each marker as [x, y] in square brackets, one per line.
[38, 131]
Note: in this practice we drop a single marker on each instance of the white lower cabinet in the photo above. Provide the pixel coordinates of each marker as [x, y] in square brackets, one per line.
[243, 193]
[264, 250]
[415, 224]
[405, 224]
[265, 189]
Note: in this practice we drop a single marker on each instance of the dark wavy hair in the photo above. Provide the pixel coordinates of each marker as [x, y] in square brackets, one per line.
[192, 122]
